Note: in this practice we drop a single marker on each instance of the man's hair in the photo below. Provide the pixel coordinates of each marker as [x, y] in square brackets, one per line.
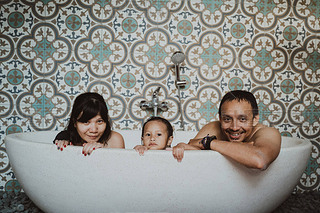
[162, 120]
[241, 95]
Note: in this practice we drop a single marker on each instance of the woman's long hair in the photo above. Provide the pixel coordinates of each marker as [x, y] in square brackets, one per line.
[85, 107]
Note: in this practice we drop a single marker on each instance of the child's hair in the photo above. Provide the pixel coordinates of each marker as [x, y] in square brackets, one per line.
[163, 120]
[85, 107]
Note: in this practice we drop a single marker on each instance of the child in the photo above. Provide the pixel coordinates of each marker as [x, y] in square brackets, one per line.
[157, 134]
[89, 126]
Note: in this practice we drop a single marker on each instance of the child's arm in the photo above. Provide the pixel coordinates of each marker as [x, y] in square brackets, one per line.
[178, 150]
[141, 149]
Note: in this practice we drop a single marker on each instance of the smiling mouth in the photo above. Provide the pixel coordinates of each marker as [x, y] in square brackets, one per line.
[153, 144]
[234, 135]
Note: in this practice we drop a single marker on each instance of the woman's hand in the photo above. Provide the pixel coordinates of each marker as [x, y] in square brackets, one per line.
[141, 149]
[62, 144]
[89, 147]
[178, 151]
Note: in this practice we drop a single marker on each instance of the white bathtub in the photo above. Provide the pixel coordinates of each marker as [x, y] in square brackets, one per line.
[115, 180]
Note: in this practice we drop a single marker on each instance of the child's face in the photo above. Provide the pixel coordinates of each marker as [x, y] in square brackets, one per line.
[155, 135]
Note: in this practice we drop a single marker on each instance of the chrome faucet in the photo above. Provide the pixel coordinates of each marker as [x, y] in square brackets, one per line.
[154, 103]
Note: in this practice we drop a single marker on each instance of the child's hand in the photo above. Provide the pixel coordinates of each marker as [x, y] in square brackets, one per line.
[141, 149]
[62, 144]
[178, 152]
[89, 147]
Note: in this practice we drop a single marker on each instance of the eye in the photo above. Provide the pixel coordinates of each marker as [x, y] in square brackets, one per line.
[159, 134]
[243, 119]
[85, 122]
[147, 134]
[100, 121]
[226, 119]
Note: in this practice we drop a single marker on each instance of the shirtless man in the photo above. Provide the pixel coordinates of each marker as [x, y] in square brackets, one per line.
[238, 133]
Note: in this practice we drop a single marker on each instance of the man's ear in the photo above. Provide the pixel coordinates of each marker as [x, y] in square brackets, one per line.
[170, 139]
[255, 120]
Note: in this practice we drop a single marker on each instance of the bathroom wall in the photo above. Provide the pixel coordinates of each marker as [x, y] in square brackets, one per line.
[53, 50]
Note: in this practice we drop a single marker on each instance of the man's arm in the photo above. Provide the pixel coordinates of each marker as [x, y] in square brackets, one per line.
[259, 154]
[212, 128]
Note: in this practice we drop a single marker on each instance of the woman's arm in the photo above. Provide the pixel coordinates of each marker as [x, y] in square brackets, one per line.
[116, 141]
[63, 135]
[62, 140]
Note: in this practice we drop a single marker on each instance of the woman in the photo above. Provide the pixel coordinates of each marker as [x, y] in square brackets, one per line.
[89, 126]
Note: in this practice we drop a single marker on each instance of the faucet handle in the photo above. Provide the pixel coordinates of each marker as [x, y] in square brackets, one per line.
[164, 106]
[144, 105]
[156, 92]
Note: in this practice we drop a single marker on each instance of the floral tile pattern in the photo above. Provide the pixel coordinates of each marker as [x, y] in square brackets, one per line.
[51, 51]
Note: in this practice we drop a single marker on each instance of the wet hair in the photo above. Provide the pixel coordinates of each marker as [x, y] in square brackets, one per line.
[85, 107]
[241, 95]
[162, 120]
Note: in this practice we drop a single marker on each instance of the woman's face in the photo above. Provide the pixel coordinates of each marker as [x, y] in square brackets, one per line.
[155, 135]
[92, 130]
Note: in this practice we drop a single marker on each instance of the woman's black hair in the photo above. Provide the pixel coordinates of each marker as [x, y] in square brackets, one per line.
[85, 107]
[160, 119]
[241, 95]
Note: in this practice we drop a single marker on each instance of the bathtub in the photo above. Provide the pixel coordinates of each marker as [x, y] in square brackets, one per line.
[117, 180]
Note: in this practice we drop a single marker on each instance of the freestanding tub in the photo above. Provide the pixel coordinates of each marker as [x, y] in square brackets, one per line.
[117, 180]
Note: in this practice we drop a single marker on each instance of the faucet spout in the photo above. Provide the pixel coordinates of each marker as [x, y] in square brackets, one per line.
[154, 103]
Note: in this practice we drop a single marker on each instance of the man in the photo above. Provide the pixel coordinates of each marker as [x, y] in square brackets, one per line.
[238, 133]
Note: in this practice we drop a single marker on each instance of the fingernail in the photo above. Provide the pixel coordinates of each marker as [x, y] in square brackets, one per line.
[94, 148]
[61, 149]
[88, 153]
[85, 154]
[65, 146]
[58, 148]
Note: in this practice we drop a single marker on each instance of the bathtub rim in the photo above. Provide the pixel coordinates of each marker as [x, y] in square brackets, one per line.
[286, 141]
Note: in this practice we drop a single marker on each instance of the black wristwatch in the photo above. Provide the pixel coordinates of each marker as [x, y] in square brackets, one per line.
[206, 141]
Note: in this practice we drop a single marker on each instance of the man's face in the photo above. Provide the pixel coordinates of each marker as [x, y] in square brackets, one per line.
[237, 120]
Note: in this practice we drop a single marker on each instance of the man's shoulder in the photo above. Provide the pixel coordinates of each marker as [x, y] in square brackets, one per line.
[212, 125]
[261, 129]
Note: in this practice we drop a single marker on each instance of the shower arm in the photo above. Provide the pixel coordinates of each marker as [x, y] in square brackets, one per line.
[179, 82]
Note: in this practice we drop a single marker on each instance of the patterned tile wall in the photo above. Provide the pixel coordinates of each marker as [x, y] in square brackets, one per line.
[52, 50]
